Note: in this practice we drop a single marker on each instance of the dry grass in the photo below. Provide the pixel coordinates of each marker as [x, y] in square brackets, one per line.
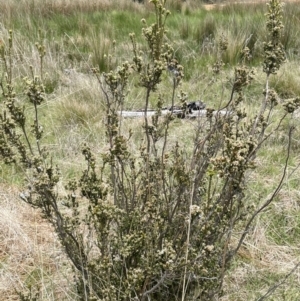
[262, 264]
[233, 2]
[30, 254]
[50, 7]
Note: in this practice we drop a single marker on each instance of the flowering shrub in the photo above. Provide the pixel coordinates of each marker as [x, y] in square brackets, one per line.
[156, 224]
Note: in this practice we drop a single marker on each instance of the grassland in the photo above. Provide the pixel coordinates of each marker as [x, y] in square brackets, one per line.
[79, 35]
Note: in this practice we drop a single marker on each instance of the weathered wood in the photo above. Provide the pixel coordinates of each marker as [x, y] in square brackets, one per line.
[179, 113]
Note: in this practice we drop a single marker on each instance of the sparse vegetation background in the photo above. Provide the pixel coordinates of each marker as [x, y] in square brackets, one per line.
[99, 207]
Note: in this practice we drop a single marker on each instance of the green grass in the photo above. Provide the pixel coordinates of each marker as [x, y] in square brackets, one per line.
[93, 31]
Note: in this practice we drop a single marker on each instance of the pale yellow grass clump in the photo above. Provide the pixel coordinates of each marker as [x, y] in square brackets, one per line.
[263, 263]
[30, 254]
[232, 2]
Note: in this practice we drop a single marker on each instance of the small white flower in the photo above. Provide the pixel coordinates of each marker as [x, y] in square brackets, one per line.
[162, 252]
[209, 248]
[195, 209]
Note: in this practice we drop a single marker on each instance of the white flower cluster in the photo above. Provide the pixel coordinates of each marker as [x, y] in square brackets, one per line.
[195, 210]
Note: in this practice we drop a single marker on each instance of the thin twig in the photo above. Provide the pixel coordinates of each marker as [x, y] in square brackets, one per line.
[184, 285]
[267, 203]
[275, 286]
[153, 288]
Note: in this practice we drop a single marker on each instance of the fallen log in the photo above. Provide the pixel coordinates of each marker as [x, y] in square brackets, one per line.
[193, 109]
[178, 113]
